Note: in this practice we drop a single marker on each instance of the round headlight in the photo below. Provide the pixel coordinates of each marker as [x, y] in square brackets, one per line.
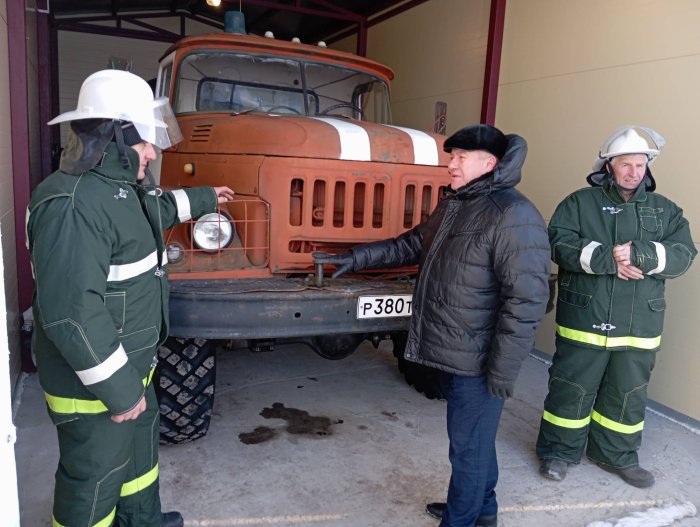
[212, 232]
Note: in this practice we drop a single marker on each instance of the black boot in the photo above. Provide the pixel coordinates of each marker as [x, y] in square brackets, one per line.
[172, 519]
[635, 476]
[554, 469]
[437, 510]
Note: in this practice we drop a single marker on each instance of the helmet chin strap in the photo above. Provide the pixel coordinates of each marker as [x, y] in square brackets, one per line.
[121, 146]
[149, 176]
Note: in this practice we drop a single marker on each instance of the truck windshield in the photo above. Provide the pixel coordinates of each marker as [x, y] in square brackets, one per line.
[240, 82]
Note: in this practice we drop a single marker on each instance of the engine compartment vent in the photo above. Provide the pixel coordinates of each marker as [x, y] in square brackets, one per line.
[201, 133]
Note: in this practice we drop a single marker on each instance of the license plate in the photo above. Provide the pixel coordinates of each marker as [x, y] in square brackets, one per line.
[384, 306]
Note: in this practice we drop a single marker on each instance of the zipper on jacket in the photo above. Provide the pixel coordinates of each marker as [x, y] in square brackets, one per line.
[157, 236]
[433, 249]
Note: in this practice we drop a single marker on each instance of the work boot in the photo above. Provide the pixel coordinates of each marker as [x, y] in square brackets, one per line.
[172, 519]
[635, 476]
[553, 469]
[437, 510]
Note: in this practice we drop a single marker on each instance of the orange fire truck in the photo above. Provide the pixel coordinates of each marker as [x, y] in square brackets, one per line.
[303, 135]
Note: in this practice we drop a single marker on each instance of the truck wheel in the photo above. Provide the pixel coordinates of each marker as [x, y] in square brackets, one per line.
[422, 378]
[184, 383]
[336, 347]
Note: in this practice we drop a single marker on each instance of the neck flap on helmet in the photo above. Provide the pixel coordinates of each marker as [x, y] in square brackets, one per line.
[88, 140]
[85, 146]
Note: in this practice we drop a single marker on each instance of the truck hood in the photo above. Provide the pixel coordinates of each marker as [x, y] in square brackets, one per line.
[312, 137]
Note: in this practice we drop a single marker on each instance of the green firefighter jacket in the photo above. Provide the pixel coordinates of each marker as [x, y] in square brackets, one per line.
[595, 308]
[101, 289]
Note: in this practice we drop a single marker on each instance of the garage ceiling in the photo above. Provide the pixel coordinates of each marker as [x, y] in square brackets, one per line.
[309, 20]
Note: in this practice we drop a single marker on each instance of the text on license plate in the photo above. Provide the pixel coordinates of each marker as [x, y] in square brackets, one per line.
[384, 306]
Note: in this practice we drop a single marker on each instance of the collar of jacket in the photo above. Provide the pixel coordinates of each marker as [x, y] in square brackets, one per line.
[111, 165]
[481, 186]
[614, 195]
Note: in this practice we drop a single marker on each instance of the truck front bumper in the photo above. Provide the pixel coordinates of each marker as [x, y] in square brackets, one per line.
[277, 308]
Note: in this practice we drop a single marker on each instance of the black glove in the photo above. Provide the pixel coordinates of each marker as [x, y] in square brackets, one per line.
[499, 388]
[343, 262]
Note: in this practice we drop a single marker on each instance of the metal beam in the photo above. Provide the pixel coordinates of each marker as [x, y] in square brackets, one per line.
[362, 40]
[393, 12]
[151, 27]
[205, 20]
[19, 132]
[163, 36]
[44, 73]
[374, 21]
[332, 7]
[110, 18]
[493, 62]
[303, 10]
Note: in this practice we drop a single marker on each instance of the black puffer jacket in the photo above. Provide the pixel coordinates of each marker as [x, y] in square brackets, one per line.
[483, 286]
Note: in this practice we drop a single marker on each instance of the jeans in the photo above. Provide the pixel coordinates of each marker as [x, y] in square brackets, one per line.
[472, 422]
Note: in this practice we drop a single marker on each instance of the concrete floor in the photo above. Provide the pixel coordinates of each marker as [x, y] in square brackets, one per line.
[383, 458]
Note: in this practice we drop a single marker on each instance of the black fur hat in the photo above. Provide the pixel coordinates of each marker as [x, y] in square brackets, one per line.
[478, 137]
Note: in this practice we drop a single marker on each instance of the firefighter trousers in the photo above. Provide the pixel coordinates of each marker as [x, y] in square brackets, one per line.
[599, 396]
[108, 472]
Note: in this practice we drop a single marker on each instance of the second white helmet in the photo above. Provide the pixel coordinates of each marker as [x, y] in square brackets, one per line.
[626, 140]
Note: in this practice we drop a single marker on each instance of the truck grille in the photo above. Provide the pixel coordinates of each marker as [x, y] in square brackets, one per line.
[343, 213]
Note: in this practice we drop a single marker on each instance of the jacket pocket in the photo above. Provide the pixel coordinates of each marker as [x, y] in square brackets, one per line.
[649, 223]
[140, 340]
[573, 298]
[657, 304]
[564, 277]
[466, 232]
[650, 220]
[116, 305]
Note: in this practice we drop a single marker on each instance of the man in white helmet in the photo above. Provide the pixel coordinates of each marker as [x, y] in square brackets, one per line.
[94, 232]
[615, 243]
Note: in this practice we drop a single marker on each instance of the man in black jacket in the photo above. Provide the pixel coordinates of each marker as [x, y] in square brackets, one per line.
[481, 292]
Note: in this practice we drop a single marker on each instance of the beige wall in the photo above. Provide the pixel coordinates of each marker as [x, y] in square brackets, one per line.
[572, 72]
[438, 52]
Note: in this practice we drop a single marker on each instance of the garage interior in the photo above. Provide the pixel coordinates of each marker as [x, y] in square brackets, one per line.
[533, 67]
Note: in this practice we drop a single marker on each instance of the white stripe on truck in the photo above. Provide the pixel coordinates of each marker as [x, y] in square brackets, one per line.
[425, 149]
[354, 140]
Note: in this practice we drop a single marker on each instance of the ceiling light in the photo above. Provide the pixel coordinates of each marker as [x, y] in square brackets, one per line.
[214, 3]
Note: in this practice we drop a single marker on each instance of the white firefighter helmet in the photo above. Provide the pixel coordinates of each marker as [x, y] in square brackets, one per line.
[123, 96]
[626, 140]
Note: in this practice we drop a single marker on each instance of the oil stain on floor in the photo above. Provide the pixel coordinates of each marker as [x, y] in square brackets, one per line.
[299, 422]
